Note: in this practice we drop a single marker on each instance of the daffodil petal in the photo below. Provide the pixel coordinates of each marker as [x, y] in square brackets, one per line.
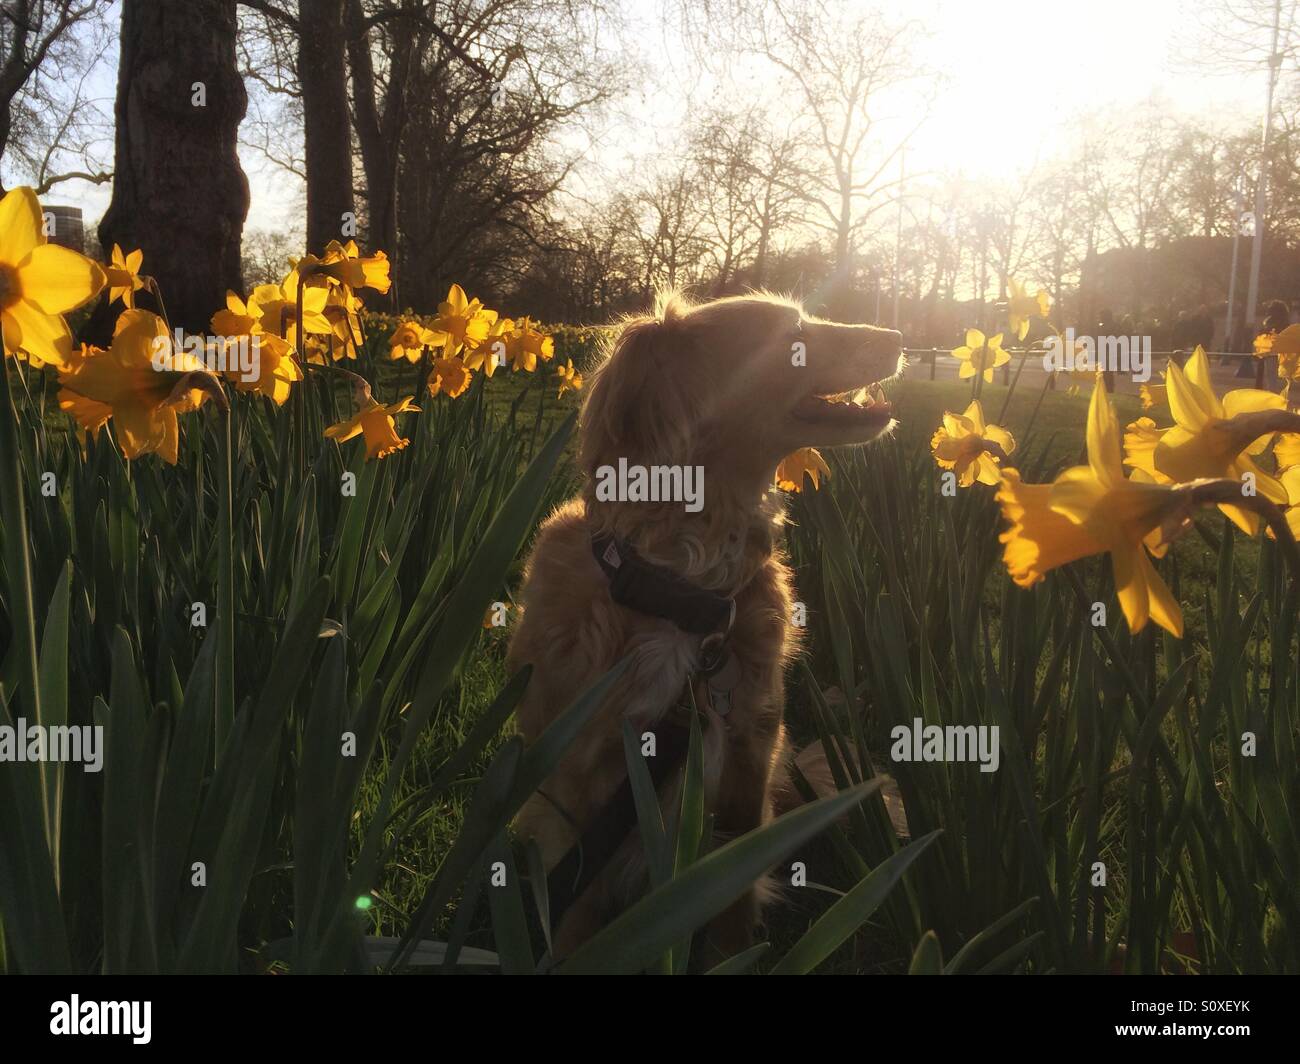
[20, 225]
[1076, 494]
[988, 470]
[44, 335]
[58, 280]
[1103, 437]
[1000, 436]
[1189, 405]
[1131, 584]
[1161, 604]
[1197, 372]
[1250, 400]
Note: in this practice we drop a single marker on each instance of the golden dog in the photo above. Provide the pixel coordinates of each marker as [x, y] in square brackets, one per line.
[730, 388]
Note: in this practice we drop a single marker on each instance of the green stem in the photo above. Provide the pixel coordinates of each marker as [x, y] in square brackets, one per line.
[225, 671]
[22, 612]
[1011, 389]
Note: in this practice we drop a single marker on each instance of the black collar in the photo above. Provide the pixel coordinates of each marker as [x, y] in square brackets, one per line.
[653, 589]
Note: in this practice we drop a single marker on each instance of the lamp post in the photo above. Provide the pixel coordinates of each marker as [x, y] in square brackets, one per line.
[898, 230]
[1239, 191]
[1274, 64]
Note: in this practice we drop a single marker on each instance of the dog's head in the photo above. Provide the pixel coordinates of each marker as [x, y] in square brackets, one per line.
[745, 380]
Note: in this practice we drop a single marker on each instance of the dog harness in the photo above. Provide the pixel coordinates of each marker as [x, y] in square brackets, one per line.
[659, 592]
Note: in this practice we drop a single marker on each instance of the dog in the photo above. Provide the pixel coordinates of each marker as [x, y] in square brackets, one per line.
[727, 388]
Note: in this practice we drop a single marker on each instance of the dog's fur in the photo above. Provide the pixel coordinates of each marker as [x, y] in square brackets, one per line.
[715, 386]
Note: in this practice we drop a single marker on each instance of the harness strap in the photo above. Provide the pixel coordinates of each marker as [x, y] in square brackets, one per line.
[660, 592]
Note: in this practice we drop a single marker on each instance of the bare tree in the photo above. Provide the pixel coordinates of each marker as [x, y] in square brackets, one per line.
[750, 181]
[847, 66]
[480, 162]
[321, 75]
[46, 121]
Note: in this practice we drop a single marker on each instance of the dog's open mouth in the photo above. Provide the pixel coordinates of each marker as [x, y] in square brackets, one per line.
[864, 406]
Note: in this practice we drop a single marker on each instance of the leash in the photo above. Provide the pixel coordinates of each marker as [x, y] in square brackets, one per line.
[659, 592]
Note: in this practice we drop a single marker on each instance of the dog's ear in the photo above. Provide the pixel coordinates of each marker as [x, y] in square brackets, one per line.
[646, 403]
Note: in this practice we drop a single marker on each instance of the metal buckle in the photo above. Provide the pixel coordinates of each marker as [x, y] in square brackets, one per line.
[711, 648]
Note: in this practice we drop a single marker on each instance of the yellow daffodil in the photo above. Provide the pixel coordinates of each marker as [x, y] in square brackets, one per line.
[962, 445]
[376, 422]
[570, 378]
[39, 282]
[1285, 345]
[276, 309]
[123, 275]
[1140, 439]
[1093, 509]
[462, 323]
[805, 461]
[1212, 438]
[449, 377]
[980, 355]
[238, 319]
[527, 345]
[409, 341]
[342, 311]
[274, 369]
[345, 265]
[491, 351]
[1021, 306]
[126, 384]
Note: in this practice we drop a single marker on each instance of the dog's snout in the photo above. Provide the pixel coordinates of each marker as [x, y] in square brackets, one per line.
[887, 341]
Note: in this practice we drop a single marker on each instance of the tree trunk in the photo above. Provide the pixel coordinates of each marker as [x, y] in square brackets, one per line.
[179, 193]
[322, 76]
[379, 134]
[6, 124]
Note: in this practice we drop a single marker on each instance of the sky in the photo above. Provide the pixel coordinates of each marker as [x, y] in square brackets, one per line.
[1015, 72]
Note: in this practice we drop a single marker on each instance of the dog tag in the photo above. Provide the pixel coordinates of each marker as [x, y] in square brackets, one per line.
[722, 683]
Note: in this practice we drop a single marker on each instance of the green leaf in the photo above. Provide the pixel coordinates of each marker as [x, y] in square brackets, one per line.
[667, 915]
[742, 962]
[927, 959]
[848, 914]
